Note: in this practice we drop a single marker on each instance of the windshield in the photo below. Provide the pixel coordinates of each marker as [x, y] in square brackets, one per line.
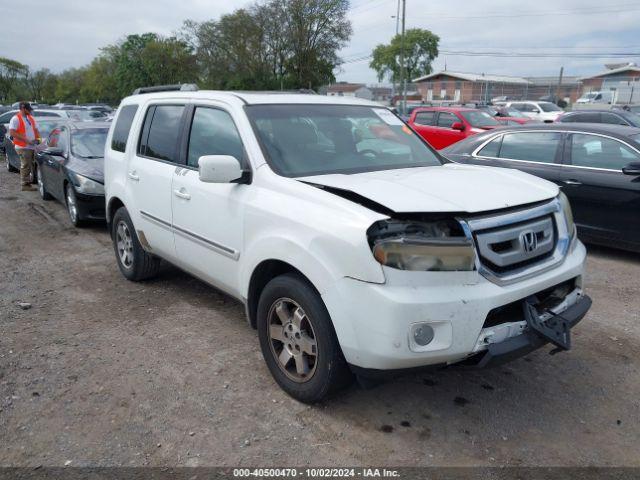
[86, 115]
[478, 118]
[89, 143]
[513, 113]
[549, 107]
[301, 140]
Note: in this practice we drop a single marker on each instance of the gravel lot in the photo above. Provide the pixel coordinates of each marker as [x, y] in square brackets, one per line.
[103, 372]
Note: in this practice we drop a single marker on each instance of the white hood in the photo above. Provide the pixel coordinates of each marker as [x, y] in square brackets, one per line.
[448, 188]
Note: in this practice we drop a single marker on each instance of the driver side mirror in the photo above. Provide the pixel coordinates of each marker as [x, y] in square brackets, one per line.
[632, 169]
[54, 151]
[222, 169]
[458, 126]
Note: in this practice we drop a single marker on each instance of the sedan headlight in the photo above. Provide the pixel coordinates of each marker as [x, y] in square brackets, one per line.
[568, 214]
[422, 246]
[88, 186]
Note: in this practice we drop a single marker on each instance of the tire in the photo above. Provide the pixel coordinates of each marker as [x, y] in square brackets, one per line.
[301, 326]
[134, 263]
[71, 202]
[41, 188]
[10, 168]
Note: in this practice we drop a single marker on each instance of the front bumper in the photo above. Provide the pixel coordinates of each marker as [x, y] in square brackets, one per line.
[373, 322]
[91, 207]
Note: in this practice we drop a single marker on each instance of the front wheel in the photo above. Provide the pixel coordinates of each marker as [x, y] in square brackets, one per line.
[41, 188]
[297, 340]
[134, 262]
[72, 206]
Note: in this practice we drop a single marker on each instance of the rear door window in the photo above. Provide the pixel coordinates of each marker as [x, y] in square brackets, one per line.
[540, 147]
[122, 127]
[160, 132]
[594, 151]
[582, 118]
[425, 118]
[492, 149]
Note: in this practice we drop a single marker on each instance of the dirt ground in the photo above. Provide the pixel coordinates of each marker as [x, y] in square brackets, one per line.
[104, 372]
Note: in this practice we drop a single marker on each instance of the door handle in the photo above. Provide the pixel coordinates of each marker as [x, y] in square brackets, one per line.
[182, 194]
[133, 176]
[572, 182]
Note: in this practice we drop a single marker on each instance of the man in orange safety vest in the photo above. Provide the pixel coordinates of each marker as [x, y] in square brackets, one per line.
[25, 136]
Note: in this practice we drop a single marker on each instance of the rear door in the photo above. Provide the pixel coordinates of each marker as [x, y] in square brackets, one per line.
[150, 174]
[605, 201]
[208, 217]
[424, 123]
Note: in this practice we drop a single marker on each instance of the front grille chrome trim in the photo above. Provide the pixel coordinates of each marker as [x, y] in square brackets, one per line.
[558, 255]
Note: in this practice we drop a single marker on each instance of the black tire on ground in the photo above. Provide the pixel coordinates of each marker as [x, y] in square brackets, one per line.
[137, 264]
[10, 168]
[331, 371]
[71, 202]
[42, 189]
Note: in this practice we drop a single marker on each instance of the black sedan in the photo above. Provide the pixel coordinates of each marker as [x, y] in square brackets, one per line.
[71, 169]
[596, 165]
[45, 126]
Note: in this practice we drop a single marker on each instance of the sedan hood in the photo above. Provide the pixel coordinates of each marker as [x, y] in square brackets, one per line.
[448, 188]
[92, 168]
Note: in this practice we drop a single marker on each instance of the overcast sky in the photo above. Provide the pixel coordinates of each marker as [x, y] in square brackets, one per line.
[69, 33]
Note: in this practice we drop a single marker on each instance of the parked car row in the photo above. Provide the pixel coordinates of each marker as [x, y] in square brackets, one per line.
[70, 168]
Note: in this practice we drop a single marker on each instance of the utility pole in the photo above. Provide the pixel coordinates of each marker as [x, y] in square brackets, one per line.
[559, 92]
[403, 80]
[398, 17]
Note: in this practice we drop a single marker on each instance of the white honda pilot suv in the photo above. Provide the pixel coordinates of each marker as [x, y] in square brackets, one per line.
[354, 246]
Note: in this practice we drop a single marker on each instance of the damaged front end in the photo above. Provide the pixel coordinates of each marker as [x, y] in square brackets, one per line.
[438, 245]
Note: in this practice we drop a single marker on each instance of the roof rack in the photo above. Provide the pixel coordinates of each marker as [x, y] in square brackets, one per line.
[181, 87]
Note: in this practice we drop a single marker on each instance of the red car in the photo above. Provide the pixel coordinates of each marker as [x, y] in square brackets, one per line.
[444, 126]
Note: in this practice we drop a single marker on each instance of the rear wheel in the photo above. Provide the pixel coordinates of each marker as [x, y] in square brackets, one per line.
[10, 168]
[134, 262]
[297, 340]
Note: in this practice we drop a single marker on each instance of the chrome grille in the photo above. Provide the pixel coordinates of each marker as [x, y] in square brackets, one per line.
[520, 243]
[512, 245]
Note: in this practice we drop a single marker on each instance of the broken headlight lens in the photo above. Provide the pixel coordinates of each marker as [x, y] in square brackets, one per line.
[568, 214]
[422, 247]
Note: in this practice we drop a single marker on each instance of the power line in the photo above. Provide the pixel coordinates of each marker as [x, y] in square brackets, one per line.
[620, 8]
[469, 53]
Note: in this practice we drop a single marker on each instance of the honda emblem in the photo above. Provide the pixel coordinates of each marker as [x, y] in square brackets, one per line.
[529, 241]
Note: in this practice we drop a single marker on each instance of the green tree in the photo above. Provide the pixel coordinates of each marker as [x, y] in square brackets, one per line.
[12, 74]
[41, 85]
[420, 47]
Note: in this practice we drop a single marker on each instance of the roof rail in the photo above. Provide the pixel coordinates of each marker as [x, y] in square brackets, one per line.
[180, 87]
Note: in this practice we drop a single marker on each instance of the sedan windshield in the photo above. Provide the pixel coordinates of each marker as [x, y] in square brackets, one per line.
[479, 118]
[549, 107]
[89, 143]
[302, 140]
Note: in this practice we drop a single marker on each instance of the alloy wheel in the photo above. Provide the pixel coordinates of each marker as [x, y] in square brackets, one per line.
[40, 183]
[292, 340]
[124, 244]
[72, 207]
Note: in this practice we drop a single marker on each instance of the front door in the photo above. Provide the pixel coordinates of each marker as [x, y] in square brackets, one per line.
[150, 174]
[443, 135]
[605, 201]
[208, 217]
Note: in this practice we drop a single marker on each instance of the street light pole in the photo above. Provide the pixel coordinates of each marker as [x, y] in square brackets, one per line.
[403, 80]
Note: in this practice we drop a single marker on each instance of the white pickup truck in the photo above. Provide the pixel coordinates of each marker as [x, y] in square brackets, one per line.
[355, 247]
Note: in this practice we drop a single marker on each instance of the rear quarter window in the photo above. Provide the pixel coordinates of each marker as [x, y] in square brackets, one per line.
[122, 127]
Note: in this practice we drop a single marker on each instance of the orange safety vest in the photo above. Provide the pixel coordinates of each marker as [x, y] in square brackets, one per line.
[22, 130]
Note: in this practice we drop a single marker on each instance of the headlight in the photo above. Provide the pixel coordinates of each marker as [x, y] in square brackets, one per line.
[418, 246]
[88, 186]
[568, 213]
